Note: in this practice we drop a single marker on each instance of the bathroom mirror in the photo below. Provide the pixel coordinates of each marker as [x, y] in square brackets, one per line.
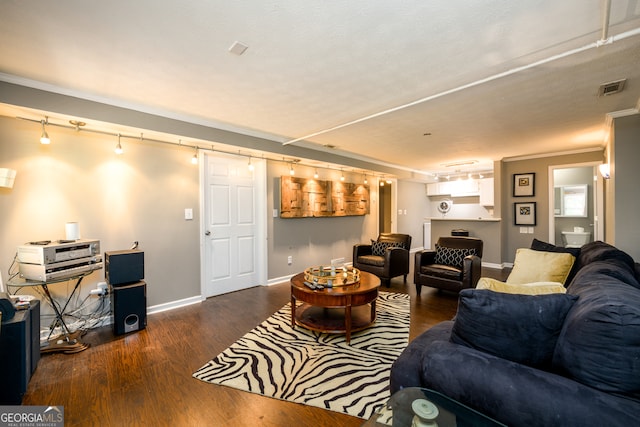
[570, 201]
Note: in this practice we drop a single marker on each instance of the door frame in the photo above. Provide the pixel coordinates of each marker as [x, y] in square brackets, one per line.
[392, 208]
[260, 177]
[598, 202]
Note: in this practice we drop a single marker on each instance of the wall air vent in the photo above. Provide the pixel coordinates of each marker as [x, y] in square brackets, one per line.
[611, 88]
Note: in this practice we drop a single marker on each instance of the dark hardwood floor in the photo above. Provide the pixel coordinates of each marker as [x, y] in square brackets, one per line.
[144, 378]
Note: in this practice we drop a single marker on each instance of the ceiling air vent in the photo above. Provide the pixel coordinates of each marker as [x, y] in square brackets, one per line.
[611, 88]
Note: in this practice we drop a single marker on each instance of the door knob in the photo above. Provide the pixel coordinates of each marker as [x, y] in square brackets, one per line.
[207, 233]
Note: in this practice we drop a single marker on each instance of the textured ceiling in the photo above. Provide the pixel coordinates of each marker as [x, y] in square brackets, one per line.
[486, 80]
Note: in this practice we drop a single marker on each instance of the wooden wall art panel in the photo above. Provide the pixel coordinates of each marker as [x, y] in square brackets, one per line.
[304, 198]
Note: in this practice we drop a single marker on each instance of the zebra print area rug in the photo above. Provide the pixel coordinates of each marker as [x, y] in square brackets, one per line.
[313, 368]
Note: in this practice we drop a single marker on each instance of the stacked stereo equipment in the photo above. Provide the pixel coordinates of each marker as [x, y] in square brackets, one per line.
[124, 272]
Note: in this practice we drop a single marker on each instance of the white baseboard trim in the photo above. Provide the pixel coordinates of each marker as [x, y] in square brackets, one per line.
[174, 304]
[493, 265]
[277, 280]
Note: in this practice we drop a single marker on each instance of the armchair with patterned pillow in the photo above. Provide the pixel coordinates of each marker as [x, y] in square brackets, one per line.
[387, 257]
[455, 264]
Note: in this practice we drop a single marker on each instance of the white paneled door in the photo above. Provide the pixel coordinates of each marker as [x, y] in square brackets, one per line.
[234, 222]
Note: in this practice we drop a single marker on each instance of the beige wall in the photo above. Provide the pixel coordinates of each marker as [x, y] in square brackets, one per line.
[540, 166]
[624, 204]
[139, 196]
[313, 241]
[413, 208]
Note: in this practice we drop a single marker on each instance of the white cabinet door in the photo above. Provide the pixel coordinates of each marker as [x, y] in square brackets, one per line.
[433, 189]
[486, 192]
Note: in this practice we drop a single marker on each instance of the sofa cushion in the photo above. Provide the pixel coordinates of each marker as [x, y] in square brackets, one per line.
[520, 328]
[452, 256]
[535, 288]
[599, 345]
[442, 271]
[535, 266]
[539, 245]
[379, 248]
[601, 251]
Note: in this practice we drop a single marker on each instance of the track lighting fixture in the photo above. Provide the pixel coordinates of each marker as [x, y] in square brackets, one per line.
[366, 181]
[194, 159]
[119, 149]
[44, 138]
[250, 166]
[341, 175]
[291, 171]
[316, 175]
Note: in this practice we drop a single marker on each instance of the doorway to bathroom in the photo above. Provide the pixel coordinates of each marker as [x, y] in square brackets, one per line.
[576, 200]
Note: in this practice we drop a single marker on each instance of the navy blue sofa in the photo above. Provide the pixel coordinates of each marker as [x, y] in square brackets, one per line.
[570, 360]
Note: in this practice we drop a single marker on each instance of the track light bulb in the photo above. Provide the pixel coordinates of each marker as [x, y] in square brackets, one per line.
[250, 166]
[315, 175]
[119, 149]
[291, 171]
[44, 138]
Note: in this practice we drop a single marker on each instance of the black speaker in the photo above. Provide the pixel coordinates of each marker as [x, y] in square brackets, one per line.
[15, 358]
[34, 314]
[129, 306]
[123, 267]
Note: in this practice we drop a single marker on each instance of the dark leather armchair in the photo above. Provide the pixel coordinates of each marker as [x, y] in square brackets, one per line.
[387, 257]
[456, 264]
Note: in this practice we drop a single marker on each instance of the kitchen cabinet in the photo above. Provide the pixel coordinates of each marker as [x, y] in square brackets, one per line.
[486, 192]
[457, 188]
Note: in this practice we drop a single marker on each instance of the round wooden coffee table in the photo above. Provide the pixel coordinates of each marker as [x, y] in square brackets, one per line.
[337, 310]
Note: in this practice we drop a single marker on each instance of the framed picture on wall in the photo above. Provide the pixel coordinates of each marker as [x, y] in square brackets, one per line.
[524, 184]
[525, 213]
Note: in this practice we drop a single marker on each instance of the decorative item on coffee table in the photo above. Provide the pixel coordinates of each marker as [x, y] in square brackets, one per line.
[332, 276]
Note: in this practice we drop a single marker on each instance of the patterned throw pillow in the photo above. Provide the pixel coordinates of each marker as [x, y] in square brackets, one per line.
[379, 248]
[452, 256]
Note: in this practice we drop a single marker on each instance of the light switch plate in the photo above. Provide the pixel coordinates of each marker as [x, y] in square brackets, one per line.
[188, 214]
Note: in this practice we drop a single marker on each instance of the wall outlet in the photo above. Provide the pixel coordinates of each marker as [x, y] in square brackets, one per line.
[290, 260]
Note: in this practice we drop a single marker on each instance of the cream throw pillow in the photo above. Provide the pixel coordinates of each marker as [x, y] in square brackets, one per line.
[535, 288]
[537, 266]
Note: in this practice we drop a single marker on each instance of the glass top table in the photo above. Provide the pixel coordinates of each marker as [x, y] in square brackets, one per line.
[429, 408]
